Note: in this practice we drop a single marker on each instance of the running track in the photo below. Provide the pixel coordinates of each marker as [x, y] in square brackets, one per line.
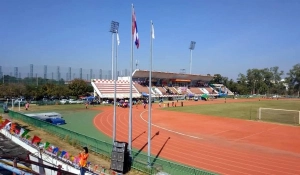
[222, 145]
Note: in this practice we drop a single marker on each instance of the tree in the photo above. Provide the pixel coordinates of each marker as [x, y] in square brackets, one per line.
[78, 87]
[242, 84]
[276, 74]
[218, 79]
[232, 86]
[293, 79]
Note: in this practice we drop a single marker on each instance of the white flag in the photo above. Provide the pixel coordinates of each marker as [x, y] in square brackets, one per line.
[21, 131]
[152, 31]
[118, 39]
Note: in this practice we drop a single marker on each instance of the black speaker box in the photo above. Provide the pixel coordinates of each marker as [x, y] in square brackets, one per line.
[114, 156]
[121, 157]
[120, 166]
[113, 165]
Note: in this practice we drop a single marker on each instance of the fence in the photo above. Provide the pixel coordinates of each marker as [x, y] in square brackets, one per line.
[15, 74]
[139, 159]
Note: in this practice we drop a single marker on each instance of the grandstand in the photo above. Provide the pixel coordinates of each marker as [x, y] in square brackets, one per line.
[165, 85]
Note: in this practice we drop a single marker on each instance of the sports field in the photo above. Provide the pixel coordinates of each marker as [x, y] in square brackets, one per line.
[77, 118]
[209, 136]
[243, 110]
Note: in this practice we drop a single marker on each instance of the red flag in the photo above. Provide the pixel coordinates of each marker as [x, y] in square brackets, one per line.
[12, 128]
[35, 139]
[4, 123]
[135, 29]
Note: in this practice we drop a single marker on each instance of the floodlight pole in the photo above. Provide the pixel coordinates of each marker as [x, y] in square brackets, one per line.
[192, 47]
[191, 59]
[112, 55]
[113, 29]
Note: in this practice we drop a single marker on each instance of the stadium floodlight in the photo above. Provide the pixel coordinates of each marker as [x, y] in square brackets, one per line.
[192, 47]
[114, 27]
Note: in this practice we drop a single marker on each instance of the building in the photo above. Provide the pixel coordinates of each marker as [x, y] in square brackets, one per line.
[166, 85]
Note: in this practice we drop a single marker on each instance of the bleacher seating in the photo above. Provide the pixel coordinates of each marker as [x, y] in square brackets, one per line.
[157, 91]
[162, 90]
[182, 90]
[229, 92]
[106, 89]
[196, 90]
[140, 88]
[174, 90]
[210, 90]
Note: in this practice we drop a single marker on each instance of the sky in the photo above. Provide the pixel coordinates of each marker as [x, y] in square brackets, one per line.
[231, 35]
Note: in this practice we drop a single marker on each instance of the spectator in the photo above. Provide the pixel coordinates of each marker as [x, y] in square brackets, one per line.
[83, 160]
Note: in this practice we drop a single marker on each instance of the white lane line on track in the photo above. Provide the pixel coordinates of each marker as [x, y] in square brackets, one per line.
[208, 158]
[194, 137]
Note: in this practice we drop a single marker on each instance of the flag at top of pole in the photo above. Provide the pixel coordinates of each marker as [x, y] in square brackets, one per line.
[152, 30]
[135, 34]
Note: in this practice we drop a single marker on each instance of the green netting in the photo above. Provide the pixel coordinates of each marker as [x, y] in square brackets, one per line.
[139, 161]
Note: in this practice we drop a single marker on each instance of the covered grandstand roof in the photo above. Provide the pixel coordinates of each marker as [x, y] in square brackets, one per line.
[170, 75]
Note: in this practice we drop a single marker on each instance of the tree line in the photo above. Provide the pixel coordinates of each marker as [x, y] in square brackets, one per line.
[264, 81]
[37, 89]
[254, 81]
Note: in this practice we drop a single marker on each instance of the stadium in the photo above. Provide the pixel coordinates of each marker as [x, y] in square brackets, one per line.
[65, 120]
[194, 138]
[165, 86]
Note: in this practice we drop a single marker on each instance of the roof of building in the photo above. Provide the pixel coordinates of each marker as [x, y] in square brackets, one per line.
[170, 75]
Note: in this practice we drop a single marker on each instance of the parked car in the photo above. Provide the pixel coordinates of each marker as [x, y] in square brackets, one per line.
[63, 101]
[72, 101]
[79, 101]
[21, 100]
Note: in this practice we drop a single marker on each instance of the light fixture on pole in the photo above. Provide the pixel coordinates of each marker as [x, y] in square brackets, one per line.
[114, 27]
[192, 47]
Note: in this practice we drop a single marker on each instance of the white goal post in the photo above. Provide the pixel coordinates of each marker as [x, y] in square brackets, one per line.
[279, 115]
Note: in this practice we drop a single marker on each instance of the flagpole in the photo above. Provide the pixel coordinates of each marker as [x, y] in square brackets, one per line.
[130, 97]
[150, 92]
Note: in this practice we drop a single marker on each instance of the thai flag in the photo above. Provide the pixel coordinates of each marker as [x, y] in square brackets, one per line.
[135, 29]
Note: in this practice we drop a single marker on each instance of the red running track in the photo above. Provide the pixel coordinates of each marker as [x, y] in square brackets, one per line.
[222, 145]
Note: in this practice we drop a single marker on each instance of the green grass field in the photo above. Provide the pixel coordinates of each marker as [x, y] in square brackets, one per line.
[77, 118]
[242, 110]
